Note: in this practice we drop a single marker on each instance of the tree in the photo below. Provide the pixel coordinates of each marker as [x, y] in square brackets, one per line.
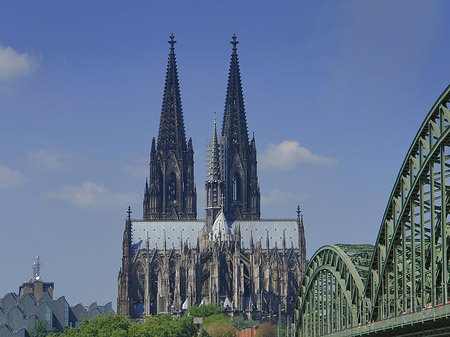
[203, 333]
[113, 325]
[39, 329]
[265, 330]
[241, 323]
[221, 330]
[205, 310]
[216, 318]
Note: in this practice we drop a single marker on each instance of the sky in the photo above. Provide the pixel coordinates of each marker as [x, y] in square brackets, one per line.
[335, 92]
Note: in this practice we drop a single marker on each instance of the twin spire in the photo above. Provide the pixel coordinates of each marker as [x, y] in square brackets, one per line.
[170, 192]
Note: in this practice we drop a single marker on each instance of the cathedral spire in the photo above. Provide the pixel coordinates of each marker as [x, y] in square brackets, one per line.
[171, 135]
[242, 196]
[214, 184]
[214, 162]
[171, 190]
[234, 127]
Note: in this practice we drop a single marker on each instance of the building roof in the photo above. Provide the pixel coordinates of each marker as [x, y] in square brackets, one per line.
[260, 230]
[172, 230]
[188, 231]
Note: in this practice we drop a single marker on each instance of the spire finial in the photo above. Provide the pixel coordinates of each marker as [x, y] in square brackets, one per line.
[214, 118]
[299, 211]
[172, 42]
[234, 43]
[129, 213]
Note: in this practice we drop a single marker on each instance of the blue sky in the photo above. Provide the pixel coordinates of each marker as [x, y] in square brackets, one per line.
[335, 92]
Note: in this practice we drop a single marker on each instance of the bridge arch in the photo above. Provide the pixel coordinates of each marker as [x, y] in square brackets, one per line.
[409, 267]
[331, 295]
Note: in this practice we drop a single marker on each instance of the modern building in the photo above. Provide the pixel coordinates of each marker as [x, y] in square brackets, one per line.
[19, 313]
[172, 260]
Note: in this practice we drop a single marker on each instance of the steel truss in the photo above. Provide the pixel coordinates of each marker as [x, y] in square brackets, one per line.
[409, 264]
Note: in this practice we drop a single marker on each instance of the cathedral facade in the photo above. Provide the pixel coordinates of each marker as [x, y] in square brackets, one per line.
[171, 260]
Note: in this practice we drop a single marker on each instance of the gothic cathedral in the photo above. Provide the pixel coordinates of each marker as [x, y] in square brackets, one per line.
[171, 260]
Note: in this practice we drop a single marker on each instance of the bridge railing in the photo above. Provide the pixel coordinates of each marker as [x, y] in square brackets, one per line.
[426, 315]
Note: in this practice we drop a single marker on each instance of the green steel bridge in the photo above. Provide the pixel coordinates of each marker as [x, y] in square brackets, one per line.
[400, 286]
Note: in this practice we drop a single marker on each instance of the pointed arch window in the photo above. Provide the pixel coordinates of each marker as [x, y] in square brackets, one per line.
[138, 282]
[172, 187]
[235, 187]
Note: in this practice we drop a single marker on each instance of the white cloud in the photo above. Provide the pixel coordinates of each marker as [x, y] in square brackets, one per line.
[90, 195]
[50, 159]
[13, 64]
[277, 196]
[11, 178]
[137, 168]
[288, 154]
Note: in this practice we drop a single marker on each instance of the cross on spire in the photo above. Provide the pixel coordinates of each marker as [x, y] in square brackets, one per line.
[172, 42]
[234, 43]
[298, 211]
[129, 212]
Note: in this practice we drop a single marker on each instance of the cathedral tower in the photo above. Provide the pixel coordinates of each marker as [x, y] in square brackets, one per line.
[242, 196]
[170, 193]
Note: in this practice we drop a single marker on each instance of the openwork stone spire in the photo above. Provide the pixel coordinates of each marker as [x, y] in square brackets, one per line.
[242, 196]
[171, 135]
[214, 184]
[234, 127]
[214, 162]
[171, 192]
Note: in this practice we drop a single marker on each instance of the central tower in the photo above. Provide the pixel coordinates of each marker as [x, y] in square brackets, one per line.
[171, 193]
[239, 173]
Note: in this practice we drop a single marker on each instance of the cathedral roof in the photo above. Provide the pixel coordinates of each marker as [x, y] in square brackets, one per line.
[276, 230]
[220, 227]
[261, 229]
[172, 230]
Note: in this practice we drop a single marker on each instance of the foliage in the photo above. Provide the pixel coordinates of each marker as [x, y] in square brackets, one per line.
[217, 318]
[219, 329]
[118, 326]
[265, 330]
[39, 329]
[203, 333]
[205, 310]
[283, 328]
[241, 323]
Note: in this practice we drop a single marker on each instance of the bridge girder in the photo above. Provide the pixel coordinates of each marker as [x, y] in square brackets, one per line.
[331, 295]
[409, 266]
[407, 270]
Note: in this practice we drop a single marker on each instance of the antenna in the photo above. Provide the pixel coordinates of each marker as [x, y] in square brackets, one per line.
[37, 269]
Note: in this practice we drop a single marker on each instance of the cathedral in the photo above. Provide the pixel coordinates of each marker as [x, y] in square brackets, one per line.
[172, 260]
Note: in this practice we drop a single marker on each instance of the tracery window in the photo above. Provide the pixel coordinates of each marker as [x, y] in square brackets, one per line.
[235, 187]
[172, 187]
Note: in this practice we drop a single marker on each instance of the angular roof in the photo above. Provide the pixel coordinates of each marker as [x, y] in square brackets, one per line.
[188, 231]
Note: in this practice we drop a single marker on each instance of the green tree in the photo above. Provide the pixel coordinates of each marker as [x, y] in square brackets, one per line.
[265, 330]
[219, 329]
[216, 318]
[39, 329]
[241, 323]
[114, 325]
[205, 310]
[203, 333]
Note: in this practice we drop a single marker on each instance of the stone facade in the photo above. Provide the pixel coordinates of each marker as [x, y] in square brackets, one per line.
[234, 259]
